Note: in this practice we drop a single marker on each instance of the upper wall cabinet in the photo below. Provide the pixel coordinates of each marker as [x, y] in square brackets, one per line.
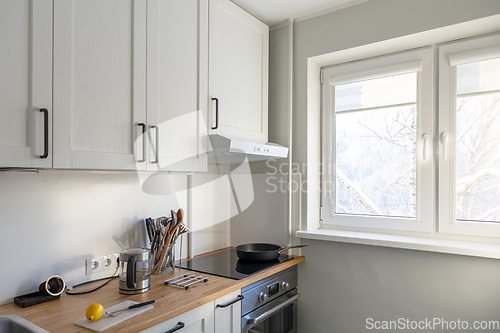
[26, 83]
[239, 57]
[99, 82]
[131, 73]
[177, 81]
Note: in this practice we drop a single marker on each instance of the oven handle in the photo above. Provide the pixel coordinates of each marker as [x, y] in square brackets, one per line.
[252, 322]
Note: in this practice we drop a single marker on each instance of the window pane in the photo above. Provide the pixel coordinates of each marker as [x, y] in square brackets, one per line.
[478, 158]
[478, 77]
[386, 91]
[375, 162]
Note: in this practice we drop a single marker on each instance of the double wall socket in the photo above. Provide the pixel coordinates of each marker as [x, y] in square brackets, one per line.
[101, 263]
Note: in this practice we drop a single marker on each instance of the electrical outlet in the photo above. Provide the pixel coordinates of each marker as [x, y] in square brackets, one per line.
[101, 263]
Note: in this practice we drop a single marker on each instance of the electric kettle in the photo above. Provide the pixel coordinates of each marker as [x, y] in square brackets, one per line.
[135, 271]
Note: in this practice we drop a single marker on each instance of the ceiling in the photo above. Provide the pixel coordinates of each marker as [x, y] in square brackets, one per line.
[273, 12]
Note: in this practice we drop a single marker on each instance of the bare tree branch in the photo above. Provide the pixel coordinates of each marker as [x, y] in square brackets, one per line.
[357, 192]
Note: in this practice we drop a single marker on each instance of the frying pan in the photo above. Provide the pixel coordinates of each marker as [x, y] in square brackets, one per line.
[262, 251]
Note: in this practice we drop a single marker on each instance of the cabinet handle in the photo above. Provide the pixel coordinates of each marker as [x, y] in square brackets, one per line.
[143, 126]
[157, 151]
[216, 113]
[177, 327]
[231, 302]
[45, 133]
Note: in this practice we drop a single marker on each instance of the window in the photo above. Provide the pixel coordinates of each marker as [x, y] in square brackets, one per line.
[389, 167]
[469, 129]
[376, 142]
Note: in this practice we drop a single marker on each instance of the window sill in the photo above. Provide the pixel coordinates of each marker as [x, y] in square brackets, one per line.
[486, 250]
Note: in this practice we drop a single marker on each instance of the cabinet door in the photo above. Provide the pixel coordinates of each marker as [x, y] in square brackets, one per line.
[239, 57]
[198, 320]
[99, 82]
[228, 319]
[25, 83]
[177, 94]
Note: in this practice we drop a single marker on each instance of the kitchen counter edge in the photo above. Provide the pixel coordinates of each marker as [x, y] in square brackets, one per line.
[49, 315]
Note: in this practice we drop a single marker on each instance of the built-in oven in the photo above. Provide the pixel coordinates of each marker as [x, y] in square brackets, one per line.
[270, 305]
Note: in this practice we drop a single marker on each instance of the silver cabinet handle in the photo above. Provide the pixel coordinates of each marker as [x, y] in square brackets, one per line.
[255, 321]
[157, 151]
[231, 302]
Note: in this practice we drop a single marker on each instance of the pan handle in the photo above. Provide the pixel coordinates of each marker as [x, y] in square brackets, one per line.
[291, 247]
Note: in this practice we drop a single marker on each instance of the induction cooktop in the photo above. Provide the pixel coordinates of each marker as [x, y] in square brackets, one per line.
[227, 264]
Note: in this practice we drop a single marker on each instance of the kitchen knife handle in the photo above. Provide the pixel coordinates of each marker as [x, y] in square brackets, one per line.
[45, 133]
[138, 305]
[216, 113]
[143, 126]
[177, 327]
[231, 302]
[157, 148]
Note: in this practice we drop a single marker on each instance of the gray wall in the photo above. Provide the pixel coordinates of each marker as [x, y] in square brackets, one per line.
[344, 284]
[341, 285]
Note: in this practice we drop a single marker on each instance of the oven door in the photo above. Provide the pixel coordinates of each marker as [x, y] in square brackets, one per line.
[278, 316]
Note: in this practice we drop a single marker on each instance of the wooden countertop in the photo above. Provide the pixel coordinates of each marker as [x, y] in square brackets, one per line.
[58, 316]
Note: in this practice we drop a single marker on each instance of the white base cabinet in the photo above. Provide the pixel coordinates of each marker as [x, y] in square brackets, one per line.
[228, 318]
[220, 316]
[198, 320]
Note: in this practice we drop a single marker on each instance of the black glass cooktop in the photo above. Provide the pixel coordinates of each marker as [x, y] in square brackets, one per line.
[227, 264]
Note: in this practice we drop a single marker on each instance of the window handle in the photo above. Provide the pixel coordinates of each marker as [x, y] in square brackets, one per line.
[445, 143]
[425, 142]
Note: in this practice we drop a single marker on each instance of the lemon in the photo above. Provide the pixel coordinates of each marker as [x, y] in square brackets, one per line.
[94, 311]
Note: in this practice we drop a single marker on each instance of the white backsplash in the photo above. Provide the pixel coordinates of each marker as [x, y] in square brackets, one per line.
[53, 220]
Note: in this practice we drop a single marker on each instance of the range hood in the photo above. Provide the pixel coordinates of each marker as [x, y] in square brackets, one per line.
[227, 151]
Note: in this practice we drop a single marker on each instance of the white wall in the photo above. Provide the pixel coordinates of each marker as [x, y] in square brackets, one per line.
[51, 221]
[266, 219]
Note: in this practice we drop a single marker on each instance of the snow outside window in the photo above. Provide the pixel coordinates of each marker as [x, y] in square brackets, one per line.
[377, 118]
[469, 165]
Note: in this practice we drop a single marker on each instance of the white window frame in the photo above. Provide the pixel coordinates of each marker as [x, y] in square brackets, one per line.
[448, 223]
[424, 220]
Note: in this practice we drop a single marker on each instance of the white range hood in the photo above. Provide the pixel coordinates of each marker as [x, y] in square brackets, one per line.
[227, 151]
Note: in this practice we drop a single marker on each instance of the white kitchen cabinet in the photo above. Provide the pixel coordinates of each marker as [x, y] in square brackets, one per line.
[124, 68]
[228, 316]
[238, 66]
[177, 84]
[198, 320]
[25, 83]
[99, 82]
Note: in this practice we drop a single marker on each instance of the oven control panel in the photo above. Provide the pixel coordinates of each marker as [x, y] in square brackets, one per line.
[273, 289]
[268, 289]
